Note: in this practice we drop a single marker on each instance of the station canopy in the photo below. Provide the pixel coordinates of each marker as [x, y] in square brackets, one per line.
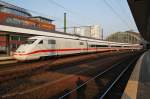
[141, 12]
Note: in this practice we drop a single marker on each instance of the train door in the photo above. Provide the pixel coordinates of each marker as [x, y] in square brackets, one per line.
[87, 46]
[52, 46]
[81, 43]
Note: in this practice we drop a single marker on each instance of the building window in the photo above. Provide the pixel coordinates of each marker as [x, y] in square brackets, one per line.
[14, 21]
[15, 38]
[22, 38]
[13, 46]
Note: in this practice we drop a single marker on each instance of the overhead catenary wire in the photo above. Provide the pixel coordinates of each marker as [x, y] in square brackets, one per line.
[51, 17]
[128, 13]
[74, 27]
[61, 6]
[123, 6]
[71, 11]
[33, 12]
[60, 19]
[123, 10]
[56, 18]
[57, 4]
[114, 11]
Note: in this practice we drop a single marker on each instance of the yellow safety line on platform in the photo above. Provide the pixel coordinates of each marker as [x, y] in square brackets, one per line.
[132, 86]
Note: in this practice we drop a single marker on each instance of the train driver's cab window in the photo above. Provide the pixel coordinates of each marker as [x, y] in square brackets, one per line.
[51, 42]
[30, 41]
[41, 42]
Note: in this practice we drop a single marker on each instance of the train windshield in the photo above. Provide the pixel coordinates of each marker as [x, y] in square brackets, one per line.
[30, 41]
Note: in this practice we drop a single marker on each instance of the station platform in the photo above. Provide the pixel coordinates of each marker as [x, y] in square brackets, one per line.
[4, 59]
[138, 86]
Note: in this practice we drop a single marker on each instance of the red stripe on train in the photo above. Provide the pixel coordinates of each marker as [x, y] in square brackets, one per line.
[56, 50]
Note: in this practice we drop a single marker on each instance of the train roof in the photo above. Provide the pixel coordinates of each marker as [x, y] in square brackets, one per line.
[78, 38]
[98, 41]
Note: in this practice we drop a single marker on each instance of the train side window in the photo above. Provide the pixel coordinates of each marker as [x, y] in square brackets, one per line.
[92, 45]
[102, 45]
[81, 43]
[41, 42]
[51, 42]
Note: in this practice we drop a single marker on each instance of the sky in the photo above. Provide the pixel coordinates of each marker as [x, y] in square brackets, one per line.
[111, 15]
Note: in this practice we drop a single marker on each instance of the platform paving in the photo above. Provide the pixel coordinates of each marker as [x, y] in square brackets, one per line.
[138, 86]
[4, 59]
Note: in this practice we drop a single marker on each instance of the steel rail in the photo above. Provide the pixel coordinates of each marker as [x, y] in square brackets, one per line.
[100, 74]
[120, 75]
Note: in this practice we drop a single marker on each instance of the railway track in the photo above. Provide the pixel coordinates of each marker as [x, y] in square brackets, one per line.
[22, 69]
[53, 81]
[7, 60]
[116, 89]
[16, 63]
[110, 83]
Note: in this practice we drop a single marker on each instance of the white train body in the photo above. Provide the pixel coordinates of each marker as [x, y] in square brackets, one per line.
[41, 46]
[56, 43]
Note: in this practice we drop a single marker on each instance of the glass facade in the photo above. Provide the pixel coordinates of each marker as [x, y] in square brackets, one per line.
[13, 11]
[26, 21]
[42, 19]
[12, 15]
[19, 22]
[16, 40]
[125, 37]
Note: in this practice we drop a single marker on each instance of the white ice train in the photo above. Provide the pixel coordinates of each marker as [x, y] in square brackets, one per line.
[42, 46]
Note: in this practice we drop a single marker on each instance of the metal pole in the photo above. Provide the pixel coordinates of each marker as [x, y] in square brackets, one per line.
[65, 22]
[102, 33]
[90, 31]
[8, 44]
[75, 31]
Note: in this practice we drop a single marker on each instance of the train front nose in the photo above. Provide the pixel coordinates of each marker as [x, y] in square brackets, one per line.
[21, 56]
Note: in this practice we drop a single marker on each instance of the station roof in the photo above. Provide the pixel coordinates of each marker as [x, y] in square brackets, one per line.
[24, 31]
[141, 13]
